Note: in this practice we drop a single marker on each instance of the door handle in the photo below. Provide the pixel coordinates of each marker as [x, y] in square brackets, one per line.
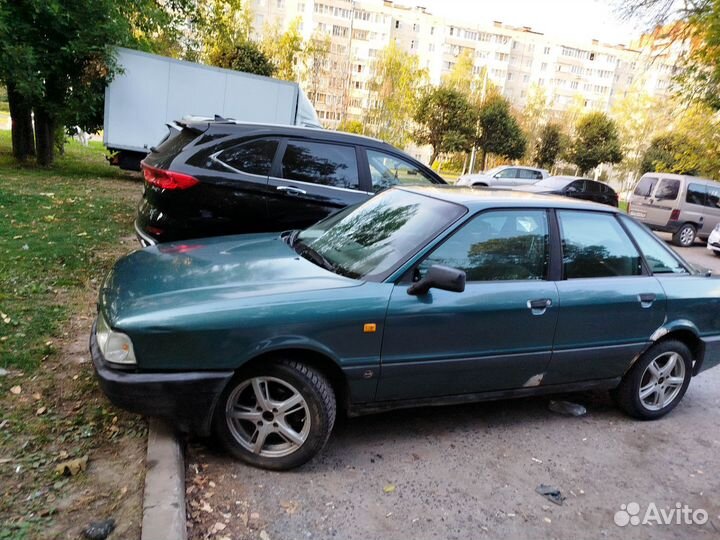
[646, 299]
[538, 307]
[290, 190]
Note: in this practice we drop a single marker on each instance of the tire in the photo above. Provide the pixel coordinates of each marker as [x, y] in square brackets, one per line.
[479, 185]
[685, 235]
[290, 439]
[661, 398]
[716, 252]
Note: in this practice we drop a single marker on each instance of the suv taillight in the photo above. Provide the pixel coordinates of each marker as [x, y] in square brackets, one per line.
[167, 179]
[675, 215]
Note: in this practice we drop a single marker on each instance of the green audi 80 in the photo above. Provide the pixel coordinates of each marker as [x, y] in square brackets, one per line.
[419, 296]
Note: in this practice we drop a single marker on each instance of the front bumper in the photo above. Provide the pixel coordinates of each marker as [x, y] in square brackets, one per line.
[713, 242]
[187, 399]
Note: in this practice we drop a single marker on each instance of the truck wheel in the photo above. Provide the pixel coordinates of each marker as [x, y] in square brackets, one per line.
[657, 382]
[685, 235]
[277, 416]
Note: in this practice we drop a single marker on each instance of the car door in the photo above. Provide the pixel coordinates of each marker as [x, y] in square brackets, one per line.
[506, 177]
[311, 180]
[495, 335]
[641, 197]
[527, 176]
[609, 303]
[659, 207]
[712, 212]
[576, 190]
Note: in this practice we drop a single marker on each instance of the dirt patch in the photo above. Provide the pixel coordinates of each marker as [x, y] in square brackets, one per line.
[58, 415]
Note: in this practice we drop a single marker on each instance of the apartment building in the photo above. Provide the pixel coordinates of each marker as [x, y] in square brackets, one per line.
[591, 74]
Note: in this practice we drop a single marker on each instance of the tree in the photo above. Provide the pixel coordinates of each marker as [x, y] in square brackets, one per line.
[534, 114]
[245, 56]
[696, 24]
[315, 63]
[394, 87]
[548, 146]
[446, 121]
[285, 50]
[596, 141]
[352, 126]
[671, 153]
[500, 133]
[56, 57]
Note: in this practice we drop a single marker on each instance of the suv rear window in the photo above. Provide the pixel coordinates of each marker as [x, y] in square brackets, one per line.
[645, 187]
[320, 163]
[254, 157]
[696, 194]
[667, 190]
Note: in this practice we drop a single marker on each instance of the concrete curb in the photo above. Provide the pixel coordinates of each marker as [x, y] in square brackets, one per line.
[164, 499]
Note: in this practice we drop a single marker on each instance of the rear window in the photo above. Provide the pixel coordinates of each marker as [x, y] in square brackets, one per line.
[696, 194]
[176, 141]
[645, 187]
[667, 190]
[320, 163]
[254, 157]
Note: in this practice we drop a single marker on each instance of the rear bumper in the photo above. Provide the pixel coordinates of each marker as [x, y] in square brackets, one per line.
[670, 227]
[144, 238]
[186, 399]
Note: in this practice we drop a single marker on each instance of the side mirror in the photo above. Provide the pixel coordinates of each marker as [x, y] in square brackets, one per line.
[439, 277]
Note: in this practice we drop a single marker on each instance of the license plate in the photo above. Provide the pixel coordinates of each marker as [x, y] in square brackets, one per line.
[637, 213]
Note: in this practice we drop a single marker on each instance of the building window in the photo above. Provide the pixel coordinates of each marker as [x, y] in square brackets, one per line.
[543, 66]
[547, 50]
[509, 77]
[452, 31]
[397, 24]
[412, 44]
[415, 27]
[432, 30]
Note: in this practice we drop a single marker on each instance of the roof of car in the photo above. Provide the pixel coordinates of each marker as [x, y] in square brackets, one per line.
[481, 198]
[285, 129]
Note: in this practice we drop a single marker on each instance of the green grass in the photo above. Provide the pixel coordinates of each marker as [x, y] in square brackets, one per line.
[56, 227]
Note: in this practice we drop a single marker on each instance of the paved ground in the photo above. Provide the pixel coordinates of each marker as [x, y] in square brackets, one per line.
[471, 472]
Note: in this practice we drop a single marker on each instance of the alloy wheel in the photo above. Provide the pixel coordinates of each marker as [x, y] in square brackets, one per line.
[687, 235]
[268, 417]
[662, 381]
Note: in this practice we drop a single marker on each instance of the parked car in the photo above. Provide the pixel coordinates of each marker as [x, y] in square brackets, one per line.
[505, 175]
[420, 296]
[713, 243]
[686, 206]
[223, 177]
[575, 187]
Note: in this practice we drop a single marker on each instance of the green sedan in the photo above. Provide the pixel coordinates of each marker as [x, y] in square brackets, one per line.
[420, 296]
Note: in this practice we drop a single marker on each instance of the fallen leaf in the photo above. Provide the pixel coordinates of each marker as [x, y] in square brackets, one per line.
[5, 318]
[206, 507]
[289, 506]
[40, 411]
[264, 535]
[547, 520]
[16, 390]
[389, 488]
[72, 467]
[36, 396]
[219, 526]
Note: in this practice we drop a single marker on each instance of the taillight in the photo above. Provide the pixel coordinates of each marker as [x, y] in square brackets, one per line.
[167, 179]
[675, 215]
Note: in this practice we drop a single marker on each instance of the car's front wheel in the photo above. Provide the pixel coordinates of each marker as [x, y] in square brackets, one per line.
[657, 382]
[685, 236]
[277, 416]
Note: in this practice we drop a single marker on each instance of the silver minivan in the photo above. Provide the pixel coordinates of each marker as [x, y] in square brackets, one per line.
[686, 206]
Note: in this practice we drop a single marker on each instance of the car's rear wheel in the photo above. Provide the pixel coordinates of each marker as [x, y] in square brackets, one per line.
[685, 235]
[277, 416]
[480, 184]
[657, 382]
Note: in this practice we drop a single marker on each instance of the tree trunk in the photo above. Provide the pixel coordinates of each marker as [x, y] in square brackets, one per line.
[22, 127]
[483, 159]
[44, 137]
[433, 157]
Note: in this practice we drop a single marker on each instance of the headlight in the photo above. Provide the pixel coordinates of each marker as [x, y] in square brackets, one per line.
[116, 347]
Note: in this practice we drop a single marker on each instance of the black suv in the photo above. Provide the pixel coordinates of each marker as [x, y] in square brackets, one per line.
[223, 177]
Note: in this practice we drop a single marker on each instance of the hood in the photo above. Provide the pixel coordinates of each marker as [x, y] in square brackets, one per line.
[468, 179]
[213, 270]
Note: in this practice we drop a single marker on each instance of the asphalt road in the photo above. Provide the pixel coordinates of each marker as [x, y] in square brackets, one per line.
[471, 472]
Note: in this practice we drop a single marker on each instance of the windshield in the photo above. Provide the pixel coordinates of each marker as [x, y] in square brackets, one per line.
[554, 182]
[375, 237]
[494, 171]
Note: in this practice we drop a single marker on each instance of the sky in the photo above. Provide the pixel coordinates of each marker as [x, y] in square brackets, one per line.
[573, 20]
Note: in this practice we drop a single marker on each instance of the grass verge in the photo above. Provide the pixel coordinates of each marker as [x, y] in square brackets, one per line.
[60, 231]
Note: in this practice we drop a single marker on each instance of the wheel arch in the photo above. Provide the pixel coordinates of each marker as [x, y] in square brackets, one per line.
[687, 333]
[310, 357]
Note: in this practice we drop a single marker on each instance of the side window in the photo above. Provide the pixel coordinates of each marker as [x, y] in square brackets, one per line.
[320, 163]
[254, 157]
[592, 187]
[498, 245]
[537, 175]
[696, 194]
[578, 186]
[507, 173]
[527, 174]
[595, 245]
[387, 170]
[658, 257]
[713, 197]
[646, 186]
[667, 190]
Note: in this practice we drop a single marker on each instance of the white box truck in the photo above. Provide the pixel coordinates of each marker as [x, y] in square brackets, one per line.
[152, 92]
